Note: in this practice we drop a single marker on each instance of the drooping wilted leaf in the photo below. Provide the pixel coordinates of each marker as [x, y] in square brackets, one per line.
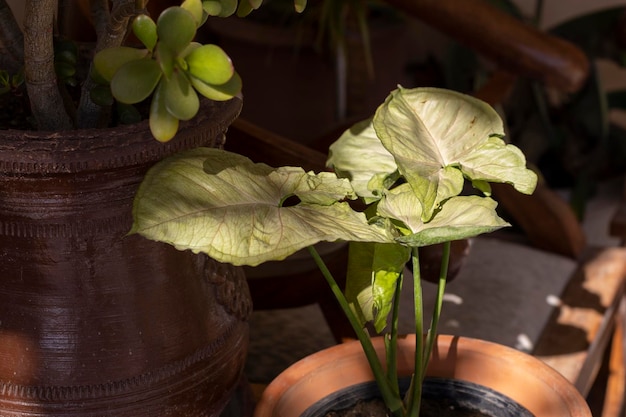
[222, 204]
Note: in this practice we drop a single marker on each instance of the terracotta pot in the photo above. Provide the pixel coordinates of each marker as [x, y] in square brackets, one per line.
[523, 378]
[95, 322]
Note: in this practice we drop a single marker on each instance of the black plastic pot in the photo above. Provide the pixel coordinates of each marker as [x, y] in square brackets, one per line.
[441, 397]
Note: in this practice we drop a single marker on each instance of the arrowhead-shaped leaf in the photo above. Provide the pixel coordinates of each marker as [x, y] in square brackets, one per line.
[430, 131]
[460, 217]
[222, 204]
[350, 157]
[373, 273]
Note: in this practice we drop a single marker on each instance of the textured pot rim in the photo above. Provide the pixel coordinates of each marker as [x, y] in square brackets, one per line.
[538, 387]
[42, 152]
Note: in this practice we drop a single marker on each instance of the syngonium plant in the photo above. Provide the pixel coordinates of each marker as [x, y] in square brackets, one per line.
[409, 163]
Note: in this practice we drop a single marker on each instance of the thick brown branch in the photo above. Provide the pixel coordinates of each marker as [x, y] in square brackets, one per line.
[89, 113]
[100, 14]
[11, 38]
[41, 82]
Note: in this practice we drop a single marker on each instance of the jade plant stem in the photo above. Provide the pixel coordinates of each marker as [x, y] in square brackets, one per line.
[392, 401]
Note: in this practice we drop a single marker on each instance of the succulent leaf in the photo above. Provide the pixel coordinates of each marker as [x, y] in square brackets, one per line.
[195, 8]
[212, 7]
[299, 5]
[136, 80]
[108, 61]
[176, 28]
[181, 99]
[220, 92]
[210, 64]
[162, 124]
[145, 30]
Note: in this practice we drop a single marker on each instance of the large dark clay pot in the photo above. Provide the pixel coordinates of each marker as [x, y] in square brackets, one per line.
[95, 322]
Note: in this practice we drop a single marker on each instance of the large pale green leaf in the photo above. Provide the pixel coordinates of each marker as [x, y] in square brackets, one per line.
[222, 204]
[460, 217]
[136, 80]
[373, 273]
[430, 130]
[359, 156]
[494, 161]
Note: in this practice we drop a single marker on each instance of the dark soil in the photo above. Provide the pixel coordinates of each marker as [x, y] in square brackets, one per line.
[376, 408]
[441, 397]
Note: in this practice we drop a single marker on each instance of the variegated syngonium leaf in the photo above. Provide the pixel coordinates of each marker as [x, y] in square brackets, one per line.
[460, 217]
[439, 136]
[224, 205]
[360, 156]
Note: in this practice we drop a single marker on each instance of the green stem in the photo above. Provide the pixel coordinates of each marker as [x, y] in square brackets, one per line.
[415, 393]
[391, 340]
[393, 402]
[441, 288]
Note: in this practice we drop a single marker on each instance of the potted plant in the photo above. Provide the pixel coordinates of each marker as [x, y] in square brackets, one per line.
[94, 322]
[409, 164]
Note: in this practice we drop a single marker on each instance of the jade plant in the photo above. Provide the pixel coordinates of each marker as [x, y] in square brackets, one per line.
[66, 91]
[170, 68]
[409, 164]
